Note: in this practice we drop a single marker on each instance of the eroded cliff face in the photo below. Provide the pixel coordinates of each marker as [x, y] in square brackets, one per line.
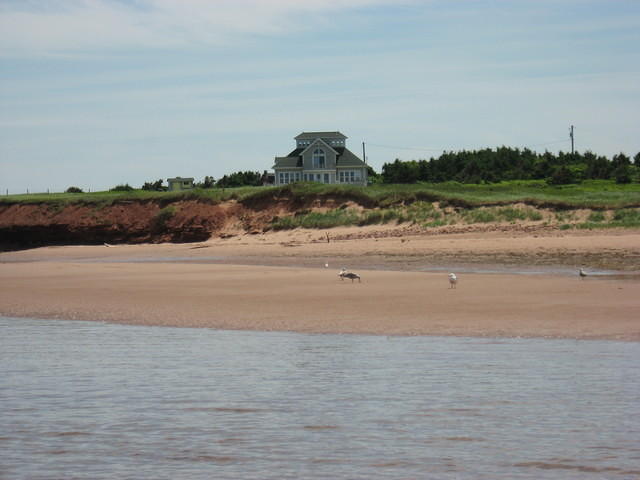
[26, 225]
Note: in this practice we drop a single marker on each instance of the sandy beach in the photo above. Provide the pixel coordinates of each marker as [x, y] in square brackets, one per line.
[510, 284]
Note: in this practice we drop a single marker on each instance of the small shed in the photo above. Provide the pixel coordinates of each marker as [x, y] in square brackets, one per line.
[179, 183]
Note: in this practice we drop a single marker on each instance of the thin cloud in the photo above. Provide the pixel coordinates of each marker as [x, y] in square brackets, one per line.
[41, 26]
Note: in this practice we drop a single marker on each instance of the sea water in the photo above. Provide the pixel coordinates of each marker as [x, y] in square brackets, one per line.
[87, 400]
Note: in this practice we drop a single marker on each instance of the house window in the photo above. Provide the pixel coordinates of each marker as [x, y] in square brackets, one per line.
[288, 177]
[350, 176]
[318, 158]
[326, 178]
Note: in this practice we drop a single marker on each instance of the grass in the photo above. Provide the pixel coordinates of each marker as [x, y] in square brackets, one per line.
[596, 217]
[621, 218]
[468, 203]
[589, 194]
[421, 213]
[332, 218]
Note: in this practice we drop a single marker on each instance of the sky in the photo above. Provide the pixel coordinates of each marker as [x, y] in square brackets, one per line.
[96, 93]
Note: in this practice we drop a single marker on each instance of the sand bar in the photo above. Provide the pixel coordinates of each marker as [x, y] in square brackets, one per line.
[280, 283]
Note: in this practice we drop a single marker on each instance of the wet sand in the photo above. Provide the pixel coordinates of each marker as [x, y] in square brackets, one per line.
[280, 282]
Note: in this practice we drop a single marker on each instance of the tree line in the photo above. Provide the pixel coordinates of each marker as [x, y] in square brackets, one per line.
[505, 163]
[236, 179]
[466, 166]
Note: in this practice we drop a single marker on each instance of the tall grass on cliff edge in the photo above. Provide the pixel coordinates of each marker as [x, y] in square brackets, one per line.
[598, 194]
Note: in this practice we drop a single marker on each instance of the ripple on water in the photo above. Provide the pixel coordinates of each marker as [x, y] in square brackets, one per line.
[101, 401]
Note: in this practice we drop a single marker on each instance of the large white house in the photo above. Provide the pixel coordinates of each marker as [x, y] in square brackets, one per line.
[320, 157]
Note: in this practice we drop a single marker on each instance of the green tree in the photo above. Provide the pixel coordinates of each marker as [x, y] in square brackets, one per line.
[373, 176]
[154, 186]
[562, 176]
[73, 190]
[622, 173]
[122, 188]
[208, 182]
[240, 179]
[620, 159]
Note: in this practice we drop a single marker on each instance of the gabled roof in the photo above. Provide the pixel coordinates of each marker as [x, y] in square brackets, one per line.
[346, 158]
[315, 143]
[296, 152]
[180, 179]
[314, 135]
[288, 162]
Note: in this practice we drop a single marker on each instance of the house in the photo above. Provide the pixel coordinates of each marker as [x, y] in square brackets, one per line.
[267, 179]
[320, 157]
[179, 183]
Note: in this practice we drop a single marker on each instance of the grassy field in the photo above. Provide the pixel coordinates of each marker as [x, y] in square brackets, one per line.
[611, 204]
[602, 194]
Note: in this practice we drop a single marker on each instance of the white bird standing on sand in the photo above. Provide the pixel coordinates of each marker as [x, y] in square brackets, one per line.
[452, 280]
[582, 273]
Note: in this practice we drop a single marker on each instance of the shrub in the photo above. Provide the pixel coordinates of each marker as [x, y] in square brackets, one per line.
[511, 214]
[562, 176]
[154, 186]
[122, 188]
[596, 217]
[479, 215]
[627, 217]
[534, 215]
[163, 216]
[622, 174]
[73, 190]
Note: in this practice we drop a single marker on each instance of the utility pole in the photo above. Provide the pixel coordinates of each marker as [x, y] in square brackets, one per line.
[364, 155]
[571, 136]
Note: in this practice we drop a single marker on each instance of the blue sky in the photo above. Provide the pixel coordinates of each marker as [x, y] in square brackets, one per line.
[94, 93]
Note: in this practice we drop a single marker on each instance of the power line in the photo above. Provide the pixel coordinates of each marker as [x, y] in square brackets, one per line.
[547, 143]
[427, 149]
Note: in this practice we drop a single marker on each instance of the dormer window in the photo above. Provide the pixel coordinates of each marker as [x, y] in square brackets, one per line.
[318, 158]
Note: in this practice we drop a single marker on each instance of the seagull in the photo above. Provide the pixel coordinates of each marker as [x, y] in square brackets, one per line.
[350, 275]
[582, 273]
[452, 280]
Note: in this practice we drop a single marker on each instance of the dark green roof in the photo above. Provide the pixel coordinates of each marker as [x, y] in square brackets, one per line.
[314, 135]
[346, 158]
[288, 162]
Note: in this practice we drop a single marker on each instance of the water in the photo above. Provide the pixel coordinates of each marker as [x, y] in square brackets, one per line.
[82, 400]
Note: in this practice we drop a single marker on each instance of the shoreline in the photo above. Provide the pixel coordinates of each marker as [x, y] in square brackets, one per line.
[283, 285]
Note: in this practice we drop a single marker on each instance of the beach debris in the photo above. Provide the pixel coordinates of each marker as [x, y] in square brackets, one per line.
[326, 265]
[106, 244]
[453, 280]
[582, 273]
